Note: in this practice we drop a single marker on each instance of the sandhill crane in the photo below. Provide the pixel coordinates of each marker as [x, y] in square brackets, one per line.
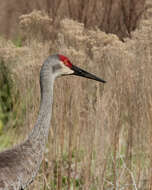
[19, 165]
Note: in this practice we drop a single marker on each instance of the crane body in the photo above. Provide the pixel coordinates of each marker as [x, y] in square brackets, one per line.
[20, 164]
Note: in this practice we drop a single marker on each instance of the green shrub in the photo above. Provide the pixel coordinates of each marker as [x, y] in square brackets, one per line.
[5, 94]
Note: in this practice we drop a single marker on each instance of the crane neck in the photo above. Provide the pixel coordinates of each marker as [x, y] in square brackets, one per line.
[39, 134]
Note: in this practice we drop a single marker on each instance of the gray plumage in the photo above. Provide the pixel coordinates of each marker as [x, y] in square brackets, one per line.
[19, 165]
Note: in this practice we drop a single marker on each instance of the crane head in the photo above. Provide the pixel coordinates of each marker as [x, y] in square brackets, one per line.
[69, 69]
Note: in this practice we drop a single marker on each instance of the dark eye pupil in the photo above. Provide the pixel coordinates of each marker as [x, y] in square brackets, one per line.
[66, 62]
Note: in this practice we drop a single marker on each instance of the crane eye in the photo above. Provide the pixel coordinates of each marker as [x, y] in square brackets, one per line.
[65, 60]
[67, 63]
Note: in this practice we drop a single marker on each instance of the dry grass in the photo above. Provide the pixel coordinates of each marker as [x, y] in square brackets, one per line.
[101, 135]
[119, 17]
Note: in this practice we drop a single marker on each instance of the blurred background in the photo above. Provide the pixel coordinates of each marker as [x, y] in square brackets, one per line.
[101, 135]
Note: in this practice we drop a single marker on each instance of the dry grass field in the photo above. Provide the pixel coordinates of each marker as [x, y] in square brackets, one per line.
[119, 17]
[101, 135]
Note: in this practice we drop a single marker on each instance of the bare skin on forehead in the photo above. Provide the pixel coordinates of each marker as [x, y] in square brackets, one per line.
[65, 60]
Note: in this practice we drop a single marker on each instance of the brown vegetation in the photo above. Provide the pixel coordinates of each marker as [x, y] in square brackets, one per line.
[119, 17]
[101, 136]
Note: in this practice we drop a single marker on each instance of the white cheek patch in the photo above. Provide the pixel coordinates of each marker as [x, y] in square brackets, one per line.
[66, 70]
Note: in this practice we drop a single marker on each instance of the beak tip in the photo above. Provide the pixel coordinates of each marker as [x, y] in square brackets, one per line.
[82, 73]
[103, 81]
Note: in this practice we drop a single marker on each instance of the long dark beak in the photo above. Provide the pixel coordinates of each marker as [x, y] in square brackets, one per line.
[82, 73]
